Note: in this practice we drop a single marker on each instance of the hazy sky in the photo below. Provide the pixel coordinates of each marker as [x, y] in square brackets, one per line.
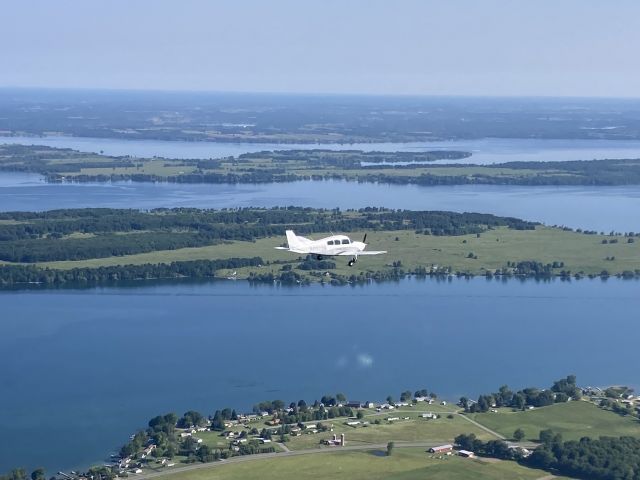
[472, 47]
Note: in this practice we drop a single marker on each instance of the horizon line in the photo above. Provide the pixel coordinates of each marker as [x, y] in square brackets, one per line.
[311, 94]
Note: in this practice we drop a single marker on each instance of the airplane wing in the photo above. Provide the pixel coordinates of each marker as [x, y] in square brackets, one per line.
[366, 252]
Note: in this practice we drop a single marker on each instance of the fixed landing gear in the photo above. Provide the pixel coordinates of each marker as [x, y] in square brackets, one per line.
[318, 257]
[352, 261]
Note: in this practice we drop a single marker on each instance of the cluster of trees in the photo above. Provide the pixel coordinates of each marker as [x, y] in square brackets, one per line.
[606, 458]
[11, 275]
[21, 474]
[491, 448]
[311, 263]
[162, 432]
[561, 391]
[327, 407]
[99, 246]
[299, 415]
[352, 159]
[532, 268]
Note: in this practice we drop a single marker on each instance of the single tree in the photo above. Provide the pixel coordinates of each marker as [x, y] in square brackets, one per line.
[390, 446]
[518, 435]
[38, 474]
[546, 436]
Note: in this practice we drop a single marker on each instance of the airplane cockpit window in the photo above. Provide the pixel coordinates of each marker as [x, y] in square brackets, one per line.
[345, 241]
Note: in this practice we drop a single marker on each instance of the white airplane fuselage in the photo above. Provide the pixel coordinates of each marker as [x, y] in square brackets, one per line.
[335, 245]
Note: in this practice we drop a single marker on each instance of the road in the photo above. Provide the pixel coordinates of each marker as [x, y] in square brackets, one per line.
[290, 453]
[479, 425]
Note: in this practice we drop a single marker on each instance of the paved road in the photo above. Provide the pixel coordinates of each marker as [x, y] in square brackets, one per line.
[290, 453]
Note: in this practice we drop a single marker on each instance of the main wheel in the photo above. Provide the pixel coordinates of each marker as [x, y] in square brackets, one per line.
[319, 257]
[351, 262]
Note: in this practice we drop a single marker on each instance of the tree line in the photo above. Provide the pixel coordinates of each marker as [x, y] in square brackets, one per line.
[561, 391]
[605, 458]
[11, 275]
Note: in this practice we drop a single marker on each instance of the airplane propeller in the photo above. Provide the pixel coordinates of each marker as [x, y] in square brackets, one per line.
[364, 240]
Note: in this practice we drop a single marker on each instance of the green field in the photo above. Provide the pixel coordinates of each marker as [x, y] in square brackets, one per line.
[573, 420]
[415, 429]
[404, 464]
[579, 252]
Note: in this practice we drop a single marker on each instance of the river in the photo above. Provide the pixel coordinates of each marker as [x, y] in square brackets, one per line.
[82, 369]
[484, 151]
[588, 207]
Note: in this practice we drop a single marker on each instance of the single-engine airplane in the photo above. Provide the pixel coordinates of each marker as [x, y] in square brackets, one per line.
[335, 245]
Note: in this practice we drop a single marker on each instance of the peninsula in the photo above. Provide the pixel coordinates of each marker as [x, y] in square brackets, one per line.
[85, 246]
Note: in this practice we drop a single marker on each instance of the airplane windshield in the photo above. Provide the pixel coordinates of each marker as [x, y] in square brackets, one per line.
[345, 241]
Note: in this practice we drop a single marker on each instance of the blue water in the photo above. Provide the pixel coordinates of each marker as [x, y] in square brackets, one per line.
[592, 208]
[82, 369]
[484, 151]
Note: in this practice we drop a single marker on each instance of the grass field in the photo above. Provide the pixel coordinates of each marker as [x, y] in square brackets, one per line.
[403, 464]
[415, 429]
[573, 420]
[579, 252]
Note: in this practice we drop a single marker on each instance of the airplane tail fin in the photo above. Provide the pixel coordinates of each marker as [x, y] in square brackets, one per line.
[292, 240]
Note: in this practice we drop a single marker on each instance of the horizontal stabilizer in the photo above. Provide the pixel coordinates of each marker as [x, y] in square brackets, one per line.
[293, 250]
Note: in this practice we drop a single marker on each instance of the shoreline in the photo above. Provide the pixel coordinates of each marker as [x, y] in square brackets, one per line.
[152, 281]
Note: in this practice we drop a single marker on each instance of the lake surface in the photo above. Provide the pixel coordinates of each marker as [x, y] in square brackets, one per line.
[593, 208]
[82, 369]
[484, 151]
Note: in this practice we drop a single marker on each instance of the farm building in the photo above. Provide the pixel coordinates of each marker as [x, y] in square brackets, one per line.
[441, 449]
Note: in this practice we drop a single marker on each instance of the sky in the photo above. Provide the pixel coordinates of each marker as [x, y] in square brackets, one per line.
[423, 47]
